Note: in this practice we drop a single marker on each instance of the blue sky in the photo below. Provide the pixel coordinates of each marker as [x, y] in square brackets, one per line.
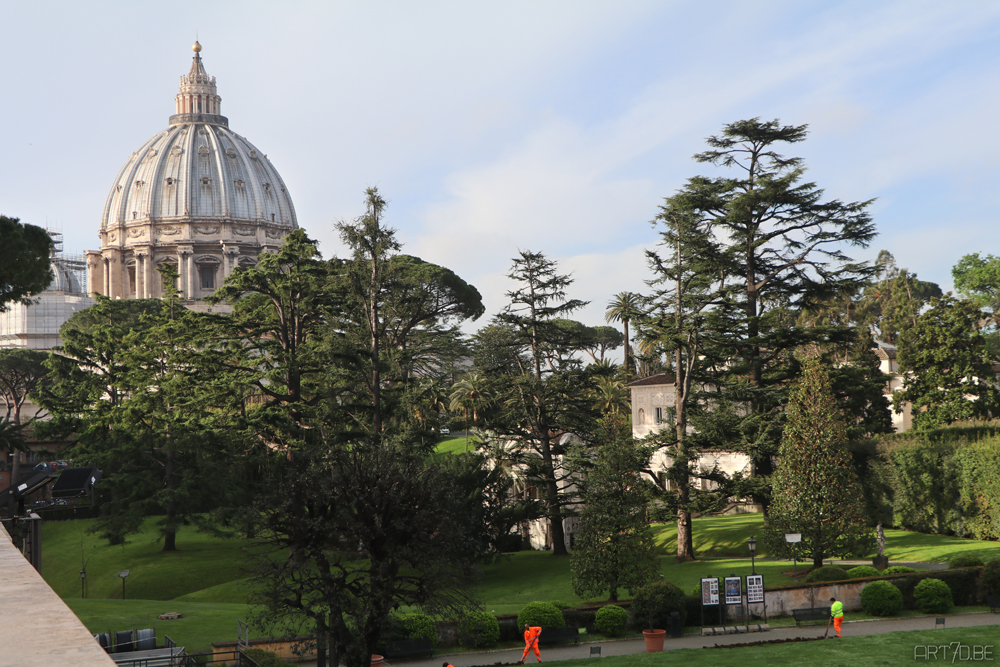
[493, 126]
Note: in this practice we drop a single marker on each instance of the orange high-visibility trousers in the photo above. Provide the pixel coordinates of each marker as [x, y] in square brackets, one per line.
[837, 620]
[527, 648]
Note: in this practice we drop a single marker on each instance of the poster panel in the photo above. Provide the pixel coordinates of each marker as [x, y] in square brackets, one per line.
[734, 590]
[755, 588]
[710, 591]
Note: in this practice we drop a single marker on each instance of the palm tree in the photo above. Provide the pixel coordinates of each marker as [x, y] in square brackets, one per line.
[624, 307]
[468, 394]
[611, 396]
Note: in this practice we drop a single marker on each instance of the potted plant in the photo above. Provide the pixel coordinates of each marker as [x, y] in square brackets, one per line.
[652, 606]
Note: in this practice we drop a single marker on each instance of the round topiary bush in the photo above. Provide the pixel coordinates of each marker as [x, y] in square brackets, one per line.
[989, 580]
[653, 603]
[479, 629]
[828, 573]
[417, 626]
[540, 614]
[898, 569]
[933, 596]
[966, 560]
[862, 571]
[881, 598]
[611, 620]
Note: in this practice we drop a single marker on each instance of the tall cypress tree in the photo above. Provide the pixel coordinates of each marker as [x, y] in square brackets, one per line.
[816, 491]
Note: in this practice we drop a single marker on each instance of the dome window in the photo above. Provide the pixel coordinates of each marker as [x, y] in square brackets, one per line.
[240, 183]
[176, 150]
[138, 184]
[267, 187]
[230, 152]
[203, 150]
[205, 180]
[170, 181]
[253, 155]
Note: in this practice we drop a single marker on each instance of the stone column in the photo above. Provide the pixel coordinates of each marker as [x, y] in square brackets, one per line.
[184, 267]
[231, 255]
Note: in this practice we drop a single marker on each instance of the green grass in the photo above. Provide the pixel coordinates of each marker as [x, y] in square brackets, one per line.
[203, 579]
[200, 625]
[201, 562]
[455, 445]
[527, 576]
[893, 649]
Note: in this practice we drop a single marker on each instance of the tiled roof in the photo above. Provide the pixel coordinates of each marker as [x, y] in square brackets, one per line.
[659, 378]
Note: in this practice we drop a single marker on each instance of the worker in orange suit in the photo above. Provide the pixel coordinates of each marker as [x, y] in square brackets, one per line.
[531, 634]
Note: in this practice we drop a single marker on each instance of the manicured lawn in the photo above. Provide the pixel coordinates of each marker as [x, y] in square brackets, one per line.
[528, 576]
[201, 562]
[201, 624]
[889, 650]
[203, 579]
[455, 445]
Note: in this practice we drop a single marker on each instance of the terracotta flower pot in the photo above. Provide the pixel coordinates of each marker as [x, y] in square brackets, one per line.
[377, 660]
[654, 640]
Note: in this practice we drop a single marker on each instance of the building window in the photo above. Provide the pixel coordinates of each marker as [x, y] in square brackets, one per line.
[659, 415]
[207, 277]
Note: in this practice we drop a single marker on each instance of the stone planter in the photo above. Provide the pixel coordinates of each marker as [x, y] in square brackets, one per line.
[654, 640]
[377, 660]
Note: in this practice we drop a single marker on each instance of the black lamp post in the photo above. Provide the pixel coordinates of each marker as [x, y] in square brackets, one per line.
[752, 543]
[123, 574]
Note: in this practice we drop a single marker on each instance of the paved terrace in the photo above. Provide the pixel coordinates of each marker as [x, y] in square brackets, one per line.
[36, 628]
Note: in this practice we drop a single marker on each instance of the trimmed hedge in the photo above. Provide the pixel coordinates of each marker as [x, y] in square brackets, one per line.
[611, 620]
[417, 626]
[933, 596]
[863, 571]
[540, 614]
[989, 582]
[898, 569]
[963, 585]
[881, 598]
[966, 560]
[828, 573]
[479, 629]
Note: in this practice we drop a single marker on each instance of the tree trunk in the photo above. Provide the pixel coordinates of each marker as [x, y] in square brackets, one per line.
[170, 533]
[552, 500]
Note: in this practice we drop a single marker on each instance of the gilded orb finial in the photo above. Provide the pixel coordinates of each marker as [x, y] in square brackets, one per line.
[197, 47]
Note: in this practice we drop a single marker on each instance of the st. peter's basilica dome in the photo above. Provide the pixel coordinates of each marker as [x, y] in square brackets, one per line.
[196, 195]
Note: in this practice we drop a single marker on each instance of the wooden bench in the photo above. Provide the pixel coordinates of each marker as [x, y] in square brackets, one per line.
[558, 635]
[807, 614]
[993, 602]
[409, 647]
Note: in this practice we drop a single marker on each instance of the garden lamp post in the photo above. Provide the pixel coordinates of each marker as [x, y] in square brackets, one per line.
[123, 574]
[752, 543]
[794, 539]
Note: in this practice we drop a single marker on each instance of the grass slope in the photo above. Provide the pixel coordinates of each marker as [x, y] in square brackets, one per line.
[201, 562]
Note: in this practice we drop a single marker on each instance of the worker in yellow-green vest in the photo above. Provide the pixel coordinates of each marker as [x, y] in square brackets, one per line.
[837, 613]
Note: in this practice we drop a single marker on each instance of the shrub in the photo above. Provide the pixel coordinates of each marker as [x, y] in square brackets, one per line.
[828, 573]
[989, 582]
[417, 626]
[611, 620]
[265, 658]
[560, 605]
[479, 629]
[862, 571]
[966, 560]
[933, 596]
[653, 604]
[540, 614]
[898, 569]
[881, 598]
